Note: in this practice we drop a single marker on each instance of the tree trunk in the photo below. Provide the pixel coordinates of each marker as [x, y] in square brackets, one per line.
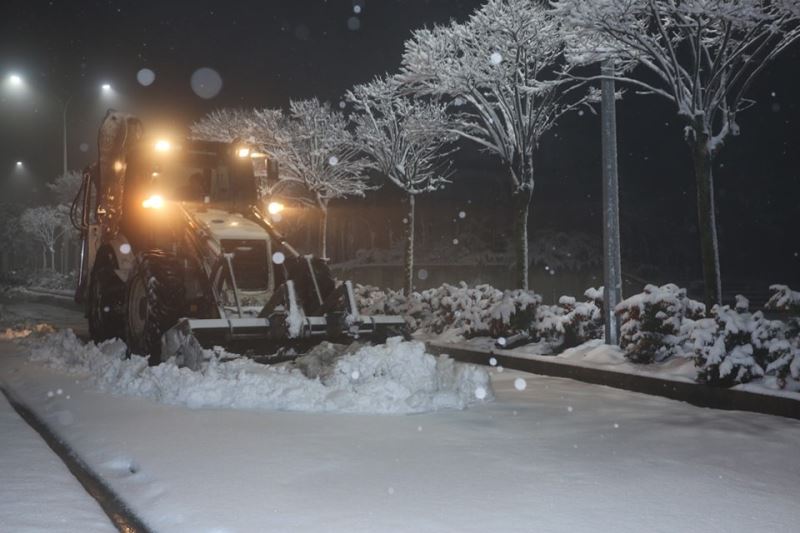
[706, 222]
[521, 199]
[323, 232]
[44, 257]
[409, 252]
[52, 258]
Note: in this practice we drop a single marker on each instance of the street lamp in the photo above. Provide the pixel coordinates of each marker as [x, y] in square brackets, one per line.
[16, 80]
[106, 89]
[19, 164]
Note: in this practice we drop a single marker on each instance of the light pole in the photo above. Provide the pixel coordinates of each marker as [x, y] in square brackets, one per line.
[612, 269]
[15, 81]
[106, 89]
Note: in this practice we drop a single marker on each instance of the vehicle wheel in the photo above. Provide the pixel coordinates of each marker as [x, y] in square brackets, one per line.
[154, 303]
[106, 292]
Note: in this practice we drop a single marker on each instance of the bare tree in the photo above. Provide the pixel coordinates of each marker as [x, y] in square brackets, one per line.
[45, 224]
[701, 55]
[501, 65]
[407, 142]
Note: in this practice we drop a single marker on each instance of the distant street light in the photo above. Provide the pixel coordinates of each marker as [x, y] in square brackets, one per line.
[19, 164]
[17, 82]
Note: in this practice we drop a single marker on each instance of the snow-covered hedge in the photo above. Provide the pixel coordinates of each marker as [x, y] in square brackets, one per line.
[655, 324]
[736, 346]
[570, 323]
[472, 311]
[784, 299]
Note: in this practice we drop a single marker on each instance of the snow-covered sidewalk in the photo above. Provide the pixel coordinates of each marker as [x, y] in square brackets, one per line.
[37, 491]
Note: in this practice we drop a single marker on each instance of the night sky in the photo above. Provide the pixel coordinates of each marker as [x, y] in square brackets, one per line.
[269, 52]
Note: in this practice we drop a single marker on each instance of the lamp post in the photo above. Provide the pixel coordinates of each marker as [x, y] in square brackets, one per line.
[16, 82]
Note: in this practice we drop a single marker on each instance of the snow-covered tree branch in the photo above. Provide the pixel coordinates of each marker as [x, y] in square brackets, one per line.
[45, 224]
[311, 143]
[500, 71]
[407, 140]
[701, 55]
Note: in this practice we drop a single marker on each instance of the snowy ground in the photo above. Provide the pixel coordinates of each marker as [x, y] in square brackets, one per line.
[557, 455]
[37, 492]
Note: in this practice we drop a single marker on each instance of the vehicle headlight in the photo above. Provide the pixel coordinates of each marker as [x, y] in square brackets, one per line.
[156, 201]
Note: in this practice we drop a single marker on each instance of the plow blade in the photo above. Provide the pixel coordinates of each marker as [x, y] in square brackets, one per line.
[263, 336]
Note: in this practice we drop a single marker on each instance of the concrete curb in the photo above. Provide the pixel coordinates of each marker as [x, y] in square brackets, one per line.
[693, 393]
[118, 512]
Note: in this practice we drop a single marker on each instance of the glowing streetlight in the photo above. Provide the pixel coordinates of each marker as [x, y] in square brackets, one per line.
[16, 80]
[19, 164]
[106, 87]
[274, 208]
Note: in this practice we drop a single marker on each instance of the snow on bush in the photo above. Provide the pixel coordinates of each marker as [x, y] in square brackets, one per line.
[571, 323]
[735, 346]
[784, 299]
[471, 311]
[394, 378]
[655, 324]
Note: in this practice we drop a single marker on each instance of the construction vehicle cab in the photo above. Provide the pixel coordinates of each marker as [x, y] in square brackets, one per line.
[177, 255]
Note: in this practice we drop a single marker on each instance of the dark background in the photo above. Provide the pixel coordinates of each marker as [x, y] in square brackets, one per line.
[269, 52]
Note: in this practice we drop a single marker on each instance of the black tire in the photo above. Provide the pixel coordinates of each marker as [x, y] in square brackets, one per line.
[155, 300]
[105, 301]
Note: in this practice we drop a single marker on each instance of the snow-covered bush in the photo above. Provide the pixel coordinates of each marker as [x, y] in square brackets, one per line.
[473, 311]
[783, 299]
[655, 324]
[735, 346]
[571, 323]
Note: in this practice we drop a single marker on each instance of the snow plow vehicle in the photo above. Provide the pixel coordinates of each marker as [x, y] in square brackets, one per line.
[177, 255]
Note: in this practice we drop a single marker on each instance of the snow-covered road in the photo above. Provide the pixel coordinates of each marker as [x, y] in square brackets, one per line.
[557, 456]
[37, 492]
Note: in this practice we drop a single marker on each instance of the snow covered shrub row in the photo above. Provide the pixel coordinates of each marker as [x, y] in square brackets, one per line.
[472, 311]
[736, 346]
[655, 324]
[571, 323]
[784, 299]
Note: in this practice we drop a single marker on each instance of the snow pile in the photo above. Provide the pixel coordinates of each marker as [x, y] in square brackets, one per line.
[395, 378]
[655, 324]
[735, 346]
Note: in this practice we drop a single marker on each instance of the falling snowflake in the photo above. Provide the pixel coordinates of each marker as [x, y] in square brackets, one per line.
[520, 384]
[84, 147]
[342, 104]
[390, 490]
[125, 248]
[49, 394]
[333, 160]
[422, 274]
[616, 426]
[278, 258]
[146, 77]
[356, 9]
[355, 374]
[419, 428]
[480, 393]
[462, 214]
[501, 341]
[206, 83]
[493, 361]
[455, 241]
[353, 24]
[569, 408]
[495, 58]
